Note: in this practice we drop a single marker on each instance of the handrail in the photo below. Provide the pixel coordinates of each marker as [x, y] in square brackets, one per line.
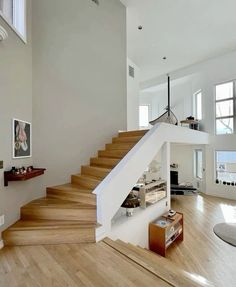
[113, 190]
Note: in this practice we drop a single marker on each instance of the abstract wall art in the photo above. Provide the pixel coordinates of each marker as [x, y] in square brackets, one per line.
[21, 139]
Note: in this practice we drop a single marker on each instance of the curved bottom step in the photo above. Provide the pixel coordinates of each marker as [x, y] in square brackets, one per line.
[43, 232]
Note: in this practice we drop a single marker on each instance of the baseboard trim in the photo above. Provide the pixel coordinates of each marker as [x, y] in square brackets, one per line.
[1, 244]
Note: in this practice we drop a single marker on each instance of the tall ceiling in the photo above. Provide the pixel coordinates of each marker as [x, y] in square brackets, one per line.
[184, 31]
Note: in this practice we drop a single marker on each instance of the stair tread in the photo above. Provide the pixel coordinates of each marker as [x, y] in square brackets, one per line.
[69, 187]
[126, 139]
[133, 133]
[117, 153]
[106, 158]
[97, 168]
[50, 224]
[120, 146]
[88, 177]
[57, 203]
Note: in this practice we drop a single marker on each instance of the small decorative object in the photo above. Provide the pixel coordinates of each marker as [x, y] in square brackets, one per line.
[232, 183]
[191, 118]
[228, 183]
[130, 203]
[174, 165]
[13, 170]
[217, 181]
[224, 182]
[171, 213]
[3, 34]
[21, 139]
[29, 168]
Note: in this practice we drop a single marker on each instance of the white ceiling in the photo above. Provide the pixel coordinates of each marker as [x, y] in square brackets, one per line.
[185, 31]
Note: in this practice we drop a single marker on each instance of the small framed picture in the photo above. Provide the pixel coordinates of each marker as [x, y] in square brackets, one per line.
[21, 136]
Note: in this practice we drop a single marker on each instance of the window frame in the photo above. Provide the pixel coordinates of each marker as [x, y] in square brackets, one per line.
[215, 161]
[225, 100]
[196, 160]
[13, 25]
[195, 105]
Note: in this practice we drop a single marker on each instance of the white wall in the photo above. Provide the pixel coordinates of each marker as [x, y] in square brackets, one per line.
[133, 89]
[15, 102]
[183, 156]
[185, 83]
[79, 82]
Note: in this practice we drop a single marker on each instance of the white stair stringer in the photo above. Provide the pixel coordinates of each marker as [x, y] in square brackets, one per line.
[113, 190]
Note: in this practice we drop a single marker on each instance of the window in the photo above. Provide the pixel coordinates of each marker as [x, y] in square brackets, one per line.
[143, 116]
[13, 12]
[197, 105]
[225, 108]
[226, 166]
[198, 163]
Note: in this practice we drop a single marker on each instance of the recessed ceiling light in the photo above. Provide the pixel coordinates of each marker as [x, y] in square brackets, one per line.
[140, 27]
[164, 58]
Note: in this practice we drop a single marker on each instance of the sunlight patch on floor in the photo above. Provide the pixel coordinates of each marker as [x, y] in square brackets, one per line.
[229, 213]
[200, 203]
[199, 279]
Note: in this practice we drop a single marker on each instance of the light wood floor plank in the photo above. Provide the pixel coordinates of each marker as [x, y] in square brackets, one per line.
[202, 252]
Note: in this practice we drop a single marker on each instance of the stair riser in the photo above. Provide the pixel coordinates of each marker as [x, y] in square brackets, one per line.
[133, 133]
[90, 184]
[116, 146]
[126, 140]
[99, 173]
[78, 197]
[102, 162]
[58, 214]
[112, 153]
[39, 237]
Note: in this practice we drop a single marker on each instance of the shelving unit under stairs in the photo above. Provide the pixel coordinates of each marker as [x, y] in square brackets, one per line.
[152, 192]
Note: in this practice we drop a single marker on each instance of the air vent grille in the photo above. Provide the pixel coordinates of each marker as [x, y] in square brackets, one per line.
[131, 71]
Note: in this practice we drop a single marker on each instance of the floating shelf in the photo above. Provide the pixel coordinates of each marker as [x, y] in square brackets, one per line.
[9, 176]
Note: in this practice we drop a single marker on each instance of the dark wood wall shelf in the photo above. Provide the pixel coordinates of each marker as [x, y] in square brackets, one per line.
[9, 176]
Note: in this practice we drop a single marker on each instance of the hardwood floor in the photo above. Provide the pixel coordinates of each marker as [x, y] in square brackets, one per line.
[93, 265]
[202, 252]
[96, 265]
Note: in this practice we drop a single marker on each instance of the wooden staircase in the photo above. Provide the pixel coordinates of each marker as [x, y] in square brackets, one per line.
[68, 213]
[165, 271]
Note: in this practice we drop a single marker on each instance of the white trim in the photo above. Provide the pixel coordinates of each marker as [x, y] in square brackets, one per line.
[3, 34]
[195, 107]
[14, 29]
[1, 244]
[149, 115]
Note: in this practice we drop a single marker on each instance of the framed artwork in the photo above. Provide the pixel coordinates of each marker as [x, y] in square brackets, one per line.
[21, 142]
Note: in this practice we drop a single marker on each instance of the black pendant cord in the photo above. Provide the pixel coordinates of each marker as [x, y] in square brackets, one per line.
[168, 95]
[168, 116]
